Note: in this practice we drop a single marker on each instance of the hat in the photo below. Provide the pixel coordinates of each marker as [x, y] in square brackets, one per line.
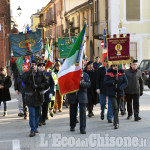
[135, 61]
[105, 59]
[89, 62]
[97, 57]
[41, 64]
[34, 61]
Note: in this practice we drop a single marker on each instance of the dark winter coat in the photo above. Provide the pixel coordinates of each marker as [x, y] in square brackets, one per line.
[4, 93]
[50, 89]
[34, 96]
[109, 79]
[135, 82]
[91, 91]
[100, 80]
[81, 95]
[96, 65]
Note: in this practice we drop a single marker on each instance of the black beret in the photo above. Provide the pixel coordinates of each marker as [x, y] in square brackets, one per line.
[89, 62]
[41, 64]
[97, 57]
[135, 61]
[34, 61]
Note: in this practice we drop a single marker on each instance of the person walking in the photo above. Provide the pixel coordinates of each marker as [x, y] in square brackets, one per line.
[97, 63]
[81, 98]
[115, 85]
[134, 90]
[5, 84]
[101, 90]
[35, 83]
[91, 91]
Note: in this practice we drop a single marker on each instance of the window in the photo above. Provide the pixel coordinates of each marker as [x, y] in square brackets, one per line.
[132, 10]
[96, 11]
[133, 49]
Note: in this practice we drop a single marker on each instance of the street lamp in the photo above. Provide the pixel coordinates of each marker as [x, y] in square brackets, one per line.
[19, 11]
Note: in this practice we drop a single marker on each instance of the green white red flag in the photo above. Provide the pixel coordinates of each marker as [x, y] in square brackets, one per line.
[49, 54]
[70, 73]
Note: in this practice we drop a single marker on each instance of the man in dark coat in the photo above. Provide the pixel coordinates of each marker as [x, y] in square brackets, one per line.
[48, 93]
[91, 91]
[35, 83]
[116, 83]
[5, 84]
[81, 98]
[97, 63]
[134, 90]
[101, 89]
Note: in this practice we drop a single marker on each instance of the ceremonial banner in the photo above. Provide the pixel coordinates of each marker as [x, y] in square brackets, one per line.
[64, 45]
[26, 44]
[118, 50]
[70, 73]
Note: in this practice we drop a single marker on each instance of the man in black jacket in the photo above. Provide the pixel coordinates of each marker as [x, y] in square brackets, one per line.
[81, 98]
[134, 90]
[101, 89]
[48, 93]
[35, 83]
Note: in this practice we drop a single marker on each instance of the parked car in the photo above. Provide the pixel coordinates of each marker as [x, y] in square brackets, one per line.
[145, 69]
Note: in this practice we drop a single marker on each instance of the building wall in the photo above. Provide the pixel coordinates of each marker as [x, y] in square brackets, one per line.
[139, 30]
[4, 31]
[36, 21]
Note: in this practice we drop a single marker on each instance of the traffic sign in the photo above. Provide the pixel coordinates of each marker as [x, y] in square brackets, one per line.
[102, 43]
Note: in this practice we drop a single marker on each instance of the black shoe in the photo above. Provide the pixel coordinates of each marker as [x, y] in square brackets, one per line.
[122, 113]
[77, 121]
[51, 114]
[129, 117]
[37, 131]
[110, 121]
[137, 118]
[25, 117]
[32, 134]
[116, 126]
[40, 123]
[90, 115]
[43, 123]
[20, 114]
[102, 117]
[83, 132]
[5, 113]
[72, 128]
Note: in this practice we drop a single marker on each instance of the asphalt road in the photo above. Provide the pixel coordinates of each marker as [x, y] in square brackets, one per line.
[55, 134]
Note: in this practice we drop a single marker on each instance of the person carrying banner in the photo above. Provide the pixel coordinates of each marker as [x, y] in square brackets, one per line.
[134, 90]
[115, 81]
[35, 83]
[81, 98]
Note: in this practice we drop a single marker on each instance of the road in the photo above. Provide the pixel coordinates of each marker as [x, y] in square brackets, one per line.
[55, 134]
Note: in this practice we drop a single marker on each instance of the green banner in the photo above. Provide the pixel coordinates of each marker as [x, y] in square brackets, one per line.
[64, 45]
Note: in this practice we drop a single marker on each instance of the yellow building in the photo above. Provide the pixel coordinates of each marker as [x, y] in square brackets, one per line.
[35, 20]
[135, 18]
[78, 12]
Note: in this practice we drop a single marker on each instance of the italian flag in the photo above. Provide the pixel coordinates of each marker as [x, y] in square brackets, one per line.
[49, 54]
[70, 73]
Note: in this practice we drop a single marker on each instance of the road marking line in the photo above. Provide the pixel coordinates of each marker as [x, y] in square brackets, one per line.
[16, 144]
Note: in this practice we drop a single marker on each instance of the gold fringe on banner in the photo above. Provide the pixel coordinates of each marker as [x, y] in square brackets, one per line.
[119, 62]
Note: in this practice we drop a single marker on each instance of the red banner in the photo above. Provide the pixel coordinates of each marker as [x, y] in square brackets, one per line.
[118, 50]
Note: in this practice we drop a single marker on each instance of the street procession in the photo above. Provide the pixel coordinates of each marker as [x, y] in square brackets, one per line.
[74, 74]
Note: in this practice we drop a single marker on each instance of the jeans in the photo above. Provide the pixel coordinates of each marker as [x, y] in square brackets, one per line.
[103, 103]
[115, 101]
[73, 113]
[34, 114]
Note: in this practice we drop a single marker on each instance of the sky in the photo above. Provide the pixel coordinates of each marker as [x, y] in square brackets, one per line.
[28, 7]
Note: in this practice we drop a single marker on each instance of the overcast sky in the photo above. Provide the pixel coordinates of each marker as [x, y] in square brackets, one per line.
[28, 7]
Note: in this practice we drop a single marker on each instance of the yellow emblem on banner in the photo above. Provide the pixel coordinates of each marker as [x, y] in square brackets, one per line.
[118, 48]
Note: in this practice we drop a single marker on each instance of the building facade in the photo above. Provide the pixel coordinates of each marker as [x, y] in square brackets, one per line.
[135, 18]
[4, 33]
